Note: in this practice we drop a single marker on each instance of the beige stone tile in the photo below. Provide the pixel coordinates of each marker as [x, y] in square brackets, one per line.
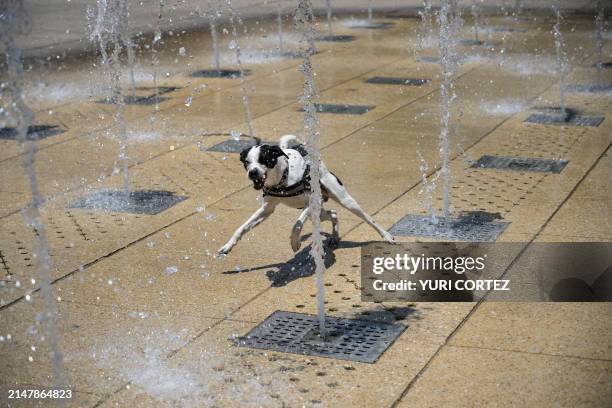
[465, 377]
[564, 329]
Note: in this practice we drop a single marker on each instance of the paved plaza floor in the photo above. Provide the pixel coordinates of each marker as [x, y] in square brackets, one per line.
[147, 312]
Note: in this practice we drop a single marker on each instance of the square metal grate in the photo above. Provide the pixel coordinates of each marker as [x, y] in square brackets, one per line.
[336, 38]
[429, 59]
[138, 202]
[355, 340]
[151, 97]
[374, 26]
[554, 116]
[589, 88]
[220, 73]
[530, 164]
[470, 43]
[397, 81]
[473, 227]
[507, 30]
[232, 146]
[342, 109]
[35, 132]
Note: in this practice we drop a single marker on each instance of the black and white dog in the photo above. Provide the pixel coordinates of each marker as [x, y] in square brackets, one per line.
[283, 175]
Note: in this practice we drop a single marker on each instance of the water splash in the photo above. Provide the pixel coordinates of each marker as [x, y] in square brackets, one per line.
[14, 21]
[236, 21]
[425, 36]
[157, 36]
[476, 16]
[111, 30]
[370, 12]
[279, 20]
[450, 25]
[599, 28]
[304, 19]
[212, 21]
[562, 65]
[329, 17]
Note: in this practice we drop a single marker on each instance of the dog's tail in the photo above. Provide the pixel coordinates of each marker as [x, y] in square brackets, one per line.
[286, 141]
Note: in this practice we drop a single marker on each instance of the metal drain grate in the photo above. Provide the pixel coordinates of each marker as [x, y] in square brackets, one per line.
[520, 164]
[564, 120]
[336, 38]
[470, 43]
[507, 30]
[474, 227]
[429, 60]
[342, 109]
[232, 146]
[589, 88]
[373, 26]
[220, 73]
[151, 98]
[397, 81]
[139, 202]
[297, 333]
[35, 132]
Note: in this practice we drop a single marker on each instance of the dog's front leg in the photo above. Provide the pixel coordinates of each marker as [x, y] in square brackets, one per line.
[261, 214]
[297, 230]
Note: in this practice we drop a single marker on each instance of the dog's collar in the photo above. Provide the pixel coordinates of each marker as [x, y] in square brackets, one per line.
[280, 190]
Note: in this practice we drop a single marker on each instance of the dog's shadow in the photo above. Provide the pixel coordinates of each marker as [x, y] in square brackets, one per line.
[302, 264]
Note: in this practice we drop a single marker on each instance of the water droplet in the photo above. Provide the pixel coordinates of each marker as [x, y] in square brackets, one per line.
[171, 270]
[182, 51]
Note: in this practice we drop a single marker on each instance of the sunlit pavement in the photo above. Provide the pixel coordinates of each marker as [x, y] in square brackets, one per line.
[146, 312]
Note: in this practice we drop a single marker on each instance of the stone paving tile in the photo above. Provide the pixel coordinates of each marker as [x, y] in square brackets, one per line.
[467, 377]
[561, 329]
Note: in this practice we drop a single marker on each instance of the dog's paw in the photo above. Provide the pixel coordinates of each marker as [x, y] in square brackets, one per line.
[389, 238]
[296, 242]
[224, 250]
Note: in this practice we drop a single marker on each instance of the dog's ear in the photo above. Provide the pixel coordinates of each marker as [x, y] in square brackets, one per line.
[243, 155]
[269, 154]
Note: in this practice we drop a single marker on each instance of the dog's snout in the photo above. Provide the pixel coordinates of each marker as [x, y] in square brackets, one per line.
[253, 174]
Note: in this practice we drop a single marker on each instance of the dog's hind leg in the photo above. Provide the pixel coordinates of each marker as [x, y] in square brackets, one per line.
[297, 230]
[339, 194]
[331, 215]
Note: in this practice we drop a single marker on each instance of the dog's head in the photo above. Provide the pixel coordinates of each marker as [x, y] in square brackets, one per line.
[259, 160]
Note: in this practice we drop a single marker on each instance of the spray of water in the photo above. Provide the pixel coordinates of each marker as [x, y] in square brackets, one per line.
[212, 20]
[369, 12]
[329, 17]
[14, 21]
[426, 26]
[476, 16]
[111, 32]
[280, 29]
[304, 19]
[236, 21]
[599, 28]
[450, 24]
[157, 36]
[561, 57]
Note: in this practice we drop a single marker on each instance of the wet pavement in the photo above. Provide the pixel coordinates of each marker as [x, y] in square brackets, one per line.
[147, 314]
